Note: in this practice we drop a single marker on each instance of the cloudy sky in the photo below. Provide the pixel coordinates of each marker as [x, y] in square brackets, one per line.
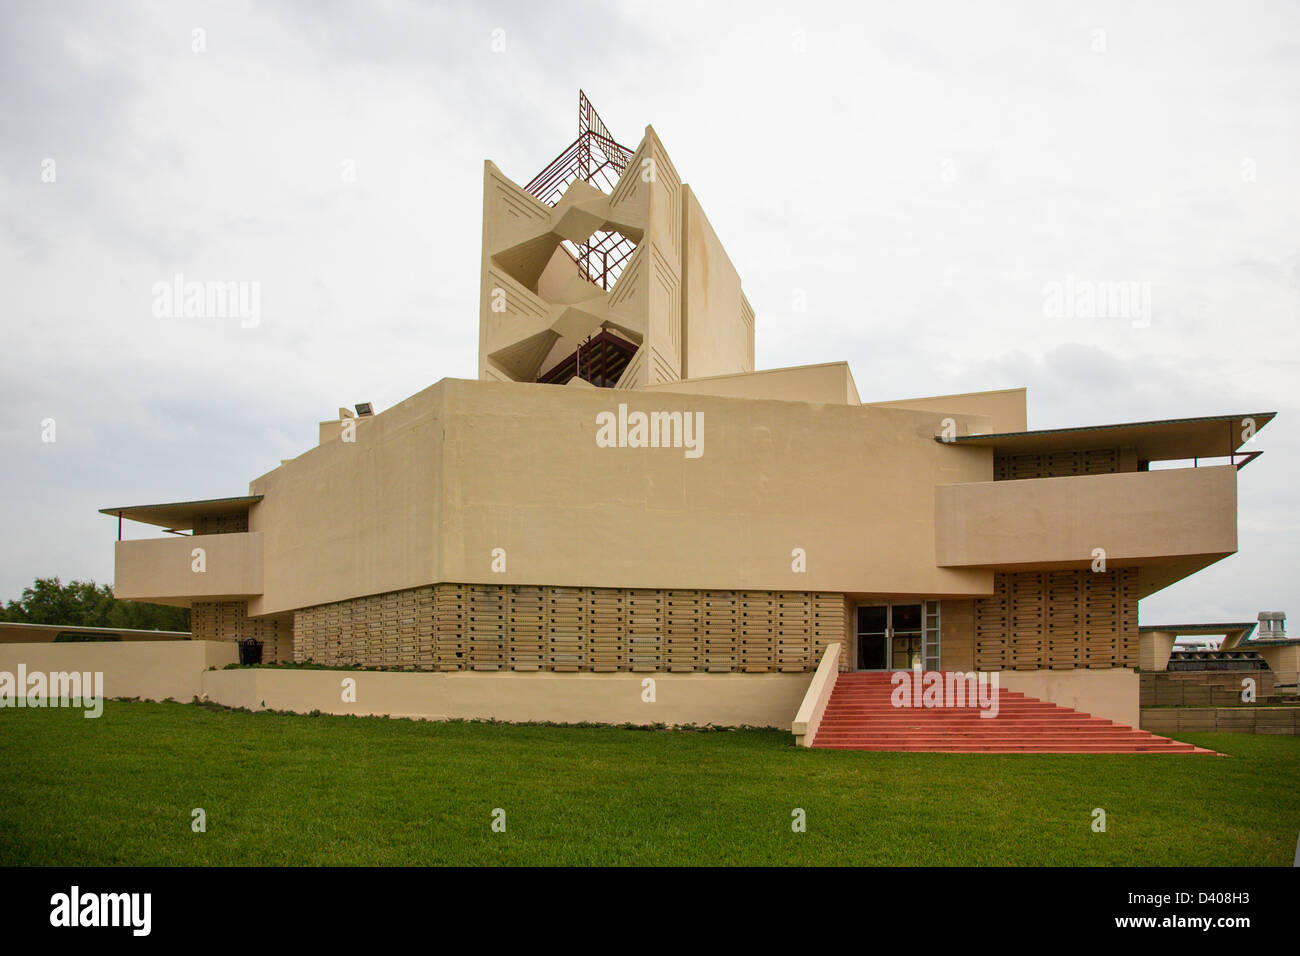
[917, 174]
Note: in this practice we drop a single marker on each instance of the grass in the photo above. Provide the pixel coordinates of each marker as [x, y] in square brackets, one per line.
[314, 790]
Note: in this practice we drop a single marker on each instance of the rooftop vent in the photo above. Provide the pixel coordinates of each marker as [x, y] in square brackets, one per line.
[1272, 625]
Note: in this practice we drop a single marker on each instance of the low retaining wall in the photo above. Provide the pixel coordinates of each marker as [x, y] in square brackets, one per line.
[1109, 693]
[1244, 720]
[725, 700]
[153, 670]
[156, 670]
[1202, 688]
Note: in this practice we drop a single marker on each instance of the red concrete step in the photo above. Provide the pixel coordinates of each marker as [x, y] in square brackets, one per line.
[861, 716]
[962, 721]
[1000, 734]
[971, 729]
[848, 708]
[917, 713]
[1020, 749]
[999, 739]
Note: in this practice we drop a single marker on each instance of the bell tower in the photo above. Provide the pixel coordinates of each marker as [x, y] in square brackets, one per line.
[584, 269]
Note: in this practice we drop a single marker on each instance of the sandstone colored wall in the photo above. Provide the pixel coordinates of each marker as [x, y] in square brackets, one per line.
[1154, 649]
[1111, 694]
[433, 486]
[725, 700]
[1004, 410]
[830, 383]
[717, 319]
[153, 670]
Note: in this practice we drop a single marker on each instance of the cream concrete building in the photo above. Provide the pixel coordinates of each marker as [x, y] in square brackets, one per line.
[621, 492]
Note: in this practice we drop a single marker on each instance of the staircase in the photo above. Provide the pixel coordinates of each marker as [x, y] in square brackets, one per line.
[860, 716]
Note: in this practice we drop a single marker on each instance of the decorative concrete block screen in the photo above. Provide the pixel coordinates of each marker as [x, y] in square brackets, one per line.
[1098, 461]
[229, 621]
[221, 524]
[455, 627]
[1059, 620]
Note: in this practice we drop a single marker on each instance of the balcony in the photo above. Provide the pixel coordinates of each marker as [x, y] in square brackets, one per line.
[165, 570]
[1138, 518]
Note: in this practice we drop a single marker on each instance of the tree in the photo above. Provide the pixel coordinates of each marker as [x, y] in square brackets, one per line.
[85, 604]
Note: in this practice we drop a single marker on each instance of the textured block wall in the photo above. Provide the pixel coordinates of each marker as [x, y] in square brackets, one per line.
[1097, 461]
[1059, 620]
[521, 628]
[221, 524]
[229, 621]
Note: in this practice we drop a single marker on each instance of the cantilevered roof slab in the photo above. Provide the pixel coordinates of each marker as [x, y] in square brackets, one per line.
[1215, 437]
[1190, 629]
[180, 515]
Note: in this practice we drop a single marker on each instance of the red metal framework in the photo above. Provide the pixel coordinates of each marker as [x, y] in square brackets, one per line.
[595, 157]
[599, 359]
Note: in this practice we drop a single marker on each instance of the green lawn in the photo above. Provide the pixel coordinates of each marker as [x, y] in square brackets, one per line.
[281, 789]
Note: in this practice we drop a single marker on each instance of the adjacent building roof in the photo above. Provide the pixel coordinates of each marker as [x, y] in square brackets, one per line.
[24, 633]
[180, 515]
[1246, 626]
[1239, 636]
[1176, 438]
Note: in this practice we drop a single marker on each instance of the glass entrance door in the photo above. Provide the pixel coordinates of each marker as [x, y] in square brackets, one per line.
[898, 636]
[904, 636]
[873, 637]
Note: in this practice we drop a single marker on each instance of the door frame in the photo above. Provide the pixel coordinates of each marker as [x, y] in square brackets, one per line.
[930, 633]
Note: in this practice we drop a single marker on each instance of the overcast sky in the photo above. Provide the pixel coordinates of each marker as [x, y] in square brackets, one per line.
[917, 173]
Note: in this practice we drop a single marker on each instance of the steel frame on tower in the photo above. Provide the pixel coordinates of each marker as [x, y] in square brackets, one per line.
[596, 158]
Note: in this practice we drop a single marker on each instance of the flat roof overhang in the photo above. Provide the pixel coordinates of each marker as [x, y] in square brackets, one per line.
[1245, 627]
[180, 515]
[1237, 637]
[1217, 436]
